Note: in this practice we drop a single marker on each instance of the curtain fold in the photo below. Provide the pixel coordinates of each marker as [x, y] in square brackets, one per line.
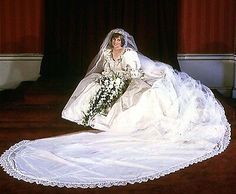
[74, 31]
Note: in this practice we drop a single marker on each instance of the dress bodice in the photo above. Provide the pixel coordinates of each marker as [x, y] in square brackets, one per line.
[112, 64]
[128, 63]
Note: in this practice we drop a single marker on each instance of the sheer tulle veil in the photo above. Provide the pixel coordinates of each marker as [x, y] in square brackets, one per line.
[150, 67]
[95, 65]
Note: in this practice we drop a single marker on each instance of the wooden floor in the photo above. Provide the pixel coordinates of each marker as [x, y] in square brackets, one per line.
[33, 111]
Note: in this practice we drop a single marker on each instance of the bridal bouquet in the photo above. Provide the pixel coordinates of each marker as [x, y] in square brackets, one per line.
[112, 87]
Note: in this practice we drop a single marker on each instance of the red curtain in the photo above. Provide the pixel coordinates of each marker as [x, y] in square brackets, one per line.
[21, 26]
[207, 26]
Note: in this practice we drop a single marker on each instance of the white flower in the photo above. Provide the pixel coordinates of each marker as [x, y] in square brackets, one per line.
[106, 82]
[118, 81]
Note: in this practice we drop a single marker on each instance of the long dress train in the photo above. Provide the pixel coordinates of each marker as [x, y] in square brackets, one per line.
[164, 121]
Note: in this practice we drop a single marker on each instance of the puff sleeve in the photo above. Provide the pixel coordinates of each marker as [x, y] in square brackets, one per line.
[132, 64]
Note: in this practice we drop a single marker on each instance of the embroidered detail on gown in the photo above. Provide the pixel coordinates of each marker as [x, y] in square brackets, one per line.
[159, 125]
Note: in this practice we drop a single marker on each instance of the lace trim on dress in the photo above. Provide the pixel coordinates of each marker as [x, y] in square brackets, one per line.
[8, 167]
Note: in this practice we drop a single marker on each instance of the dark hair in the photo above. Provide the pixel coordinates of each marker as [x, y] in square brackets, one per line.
[116, 35]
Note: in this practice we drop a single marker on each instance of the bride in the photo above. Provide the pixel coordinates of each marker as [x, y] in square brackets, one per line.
[151, 119]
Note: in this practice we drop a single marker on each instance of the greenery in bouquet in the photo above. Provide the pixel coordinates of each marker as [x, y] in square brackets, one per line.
[112, 86]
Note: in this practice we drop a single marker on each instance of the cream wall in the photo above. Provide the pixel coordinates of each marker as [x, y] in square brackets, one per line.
[15, 68]
[215, 71]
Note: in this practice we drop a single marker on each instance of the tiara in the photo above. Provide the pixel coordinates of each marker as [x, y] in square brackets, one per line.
[120, 31]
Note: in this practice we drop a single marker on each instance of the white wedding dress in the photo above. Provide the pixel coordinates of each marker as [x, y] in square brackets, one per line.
[164, 121]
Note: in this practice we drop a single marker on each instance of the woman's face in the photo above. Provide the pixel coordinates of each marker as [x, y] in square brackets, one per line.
[116, 42]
